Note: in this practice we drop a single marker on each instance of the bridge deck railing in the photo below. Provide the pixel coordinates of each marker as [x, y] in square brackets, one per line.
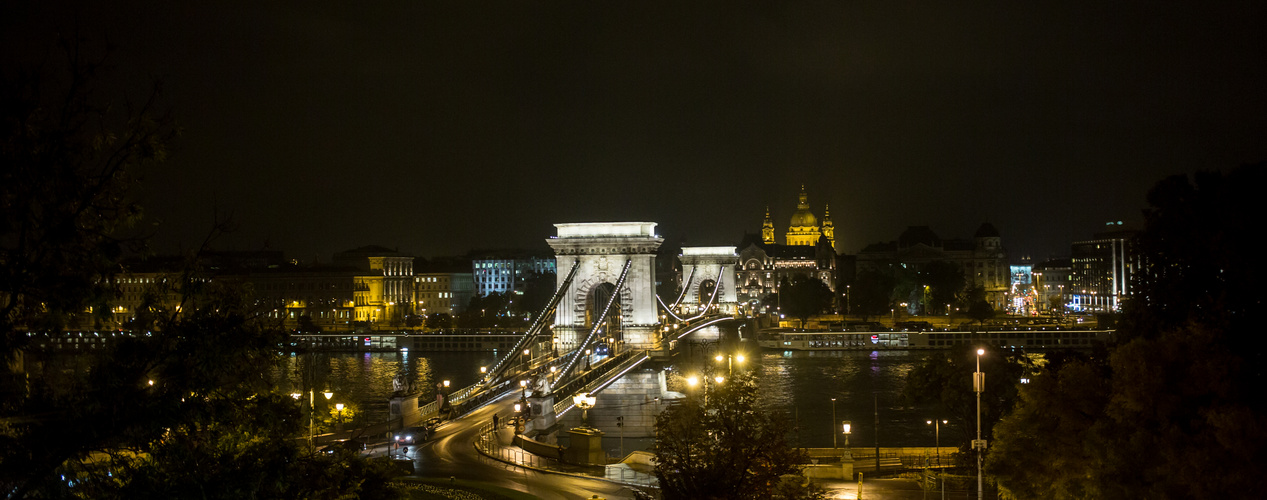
[598, 378]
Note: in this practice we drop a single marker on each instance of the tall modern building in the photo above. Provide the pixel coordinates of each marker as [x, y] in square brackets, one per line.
[506, 271]
[1101, 269]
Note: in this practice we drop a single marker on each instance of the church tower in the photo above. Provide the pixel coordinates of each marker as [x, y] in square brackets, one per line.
[829, 230]
[803, 229]
[767, 228]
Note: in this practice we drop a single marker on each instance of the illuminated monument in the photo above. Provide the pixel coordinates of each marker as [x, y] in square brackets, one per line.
[602, 249]
[810, 251]
[803, 230]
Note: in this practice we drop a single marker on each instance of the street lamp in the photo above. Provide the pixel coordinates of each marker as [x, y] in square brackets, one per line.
[937, 435]
[312, 408]
[586, 401]
[730, 360]
[518, 416]
[847, 427]
[978, 385]
[339, 408]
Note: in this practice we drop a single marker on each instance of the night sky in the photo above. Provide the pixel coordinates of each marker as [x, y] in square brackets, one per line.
[441, 127]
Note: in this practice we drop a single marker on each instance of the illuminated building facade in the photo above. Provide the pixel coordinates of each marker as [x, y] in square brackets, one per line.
[803, 229]
[1051, 283]
[1101, 270]
[809, 251]
[506, 271]
[763, 267]
[442, 293]
[982, 258]
[383, 292]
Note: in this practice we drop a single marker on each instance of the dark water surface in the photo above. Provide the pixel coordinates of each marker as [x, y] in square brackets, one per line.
[365, 379]
[800, 383]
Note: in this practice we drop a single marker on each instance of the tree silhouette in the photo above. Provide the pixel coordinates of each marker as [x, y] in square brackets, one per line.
[718, 444]
[1175, 412]
[805, 296]
[178, 408]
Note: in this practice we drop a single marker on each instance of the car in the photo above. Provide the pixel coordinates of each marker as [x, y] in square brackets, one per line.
[411, 435]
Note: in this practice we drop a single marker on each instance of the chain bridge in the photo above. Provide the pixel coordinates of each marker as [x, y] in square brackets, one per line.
[598, 332]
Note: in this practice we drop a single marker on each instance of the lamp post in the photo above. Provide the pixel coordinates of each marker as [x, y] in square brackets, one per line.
[847, 427]
[937, 436]
[833, 420]
[730, 360]
[339, 408]
[518, 408]
[586, 401]
[978, 385]
[312, 408]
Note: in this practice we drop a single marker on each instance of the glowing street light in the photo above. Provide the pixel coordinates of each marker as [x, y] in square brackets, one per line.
[937, 435]
[586, 401]
[338, 407]
[731, 359]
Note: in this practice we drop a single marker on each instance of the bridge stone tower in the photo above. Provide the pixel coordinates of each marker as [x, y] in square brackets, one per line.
[602, 249]
[712, 266]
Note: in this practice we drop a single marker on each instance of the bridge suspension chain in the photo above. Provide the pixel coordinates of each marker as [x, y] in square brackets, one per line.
[598, 324]
[685, 287]
[538, 324]
[711, 300]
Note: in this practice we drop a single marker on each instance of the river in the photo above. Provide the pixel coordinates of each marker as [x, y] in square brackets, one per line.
[800, 383]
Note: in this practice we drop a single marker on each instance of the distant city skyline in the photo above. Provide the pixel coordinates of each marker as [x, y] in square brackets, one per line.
[437, 128]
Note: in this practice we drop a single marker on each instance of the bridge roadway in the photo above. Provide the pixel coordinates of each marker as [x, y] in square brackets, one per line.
[451, 453]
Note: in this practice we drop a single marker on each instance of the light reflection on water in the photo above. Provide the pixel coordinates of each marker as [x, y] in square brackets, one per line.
[365, 379]
[802, 383]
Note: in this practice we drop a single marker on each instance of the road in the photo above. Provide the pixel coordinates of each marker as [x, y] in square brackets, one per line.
[450, 452]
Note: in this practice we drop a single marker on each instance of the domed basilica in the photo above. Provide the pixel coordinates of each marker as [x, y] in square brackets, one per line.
[809, 250]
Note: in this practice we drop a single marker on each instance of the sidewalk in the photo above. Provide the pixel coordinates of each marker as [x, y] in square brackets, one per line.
[496, 445]
[498, 448]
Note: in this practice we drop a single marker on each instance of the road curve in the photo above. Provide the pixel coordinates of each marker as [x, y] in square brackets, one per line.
[450, 452]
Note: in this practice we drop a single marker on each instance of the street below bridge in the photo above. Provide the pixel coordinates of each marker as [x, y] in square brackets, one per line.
[450, 453]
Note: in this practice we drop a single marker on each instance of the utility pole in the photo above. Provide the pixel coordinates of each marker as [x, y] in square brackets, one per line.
[876, 400]
[978, 385]
[833, 422]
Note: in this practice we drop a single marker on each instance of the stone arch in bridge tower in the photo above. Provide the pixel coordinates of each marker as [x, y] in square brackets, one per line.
[602, 248]
[710, 264]
[594, 293]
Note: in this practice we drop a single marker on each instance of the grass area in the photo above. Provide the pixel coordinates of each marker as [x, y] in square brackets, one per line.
[442, 489]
